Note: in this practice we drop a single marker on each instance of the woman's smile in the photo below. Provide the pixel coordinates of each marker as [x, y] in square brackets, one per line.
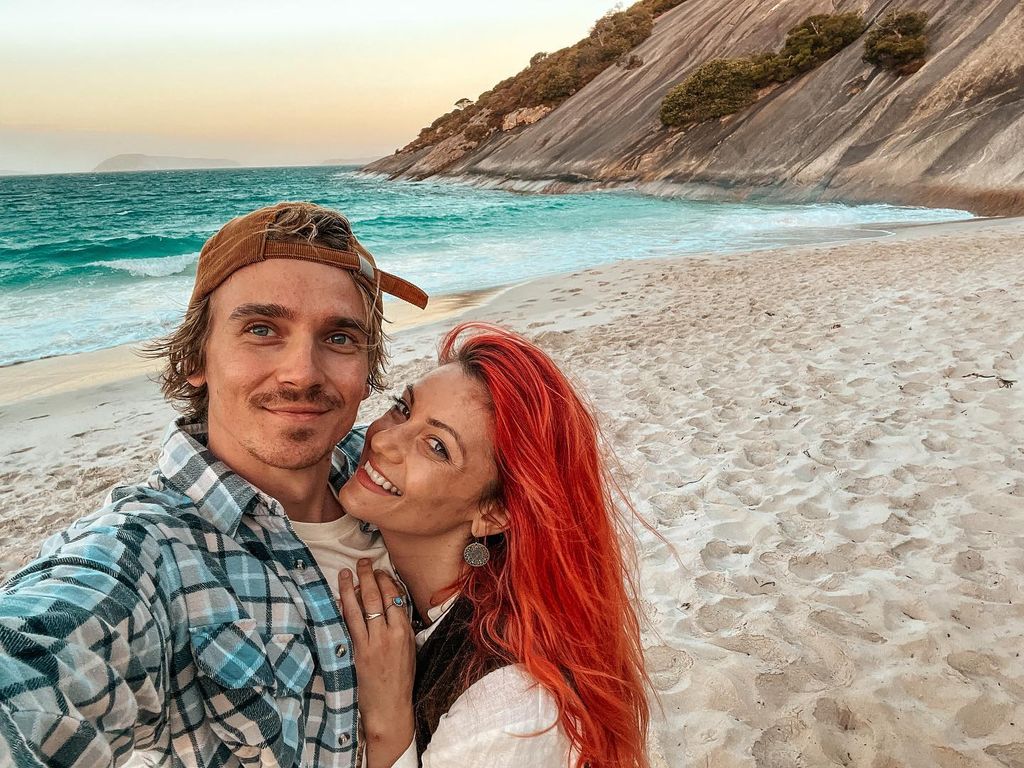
[375, 480]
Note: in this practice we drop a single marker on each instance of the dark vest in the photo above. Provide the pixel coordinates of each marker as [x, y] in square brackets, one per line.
[441, 666]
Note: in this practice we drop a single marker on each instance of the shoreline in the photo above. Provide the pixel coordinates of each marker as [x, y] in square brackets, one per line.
[61, 374]
[986, 203]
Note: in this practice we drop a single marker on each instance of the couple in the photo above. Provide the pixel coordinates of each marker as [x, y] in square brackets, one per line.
[241, 606]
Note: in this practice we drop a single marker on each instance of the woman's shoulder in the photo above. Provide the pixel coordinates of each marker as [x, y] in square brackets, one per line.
[508, 686]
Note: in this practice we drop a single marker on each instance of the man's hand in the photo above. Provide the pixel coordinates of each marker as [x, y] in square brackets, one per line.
[385, 660]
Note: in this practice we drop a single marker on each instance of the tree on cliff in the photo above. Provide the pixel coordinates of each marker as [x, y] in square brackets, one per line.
[898, 42]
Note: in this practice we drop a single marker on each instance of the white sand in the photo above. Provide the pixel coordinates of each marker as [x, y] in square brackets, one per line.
[831, 439]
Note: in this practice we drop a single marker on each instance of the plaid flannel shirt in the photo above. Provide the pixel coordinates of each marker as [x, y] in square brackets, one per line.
[184, 617]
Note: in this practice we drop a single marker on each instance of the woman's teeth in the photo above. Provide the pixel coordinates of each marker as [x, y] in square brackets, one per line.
[382, 481]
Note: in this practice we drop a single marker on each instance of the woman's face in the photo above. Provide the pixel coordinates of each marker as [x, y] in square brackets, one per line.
[428, 461]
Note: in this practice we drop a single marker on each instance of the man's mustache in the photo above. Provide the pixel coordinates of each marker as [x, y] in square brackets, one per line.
[314, 397]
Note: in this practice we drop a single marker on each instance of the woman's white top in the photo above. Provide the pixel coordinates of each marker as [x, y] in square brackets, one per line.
[492, 724]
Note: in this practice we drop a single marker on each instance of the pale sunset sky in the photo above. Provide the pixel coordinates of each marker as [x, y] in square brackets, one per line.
[253, 81]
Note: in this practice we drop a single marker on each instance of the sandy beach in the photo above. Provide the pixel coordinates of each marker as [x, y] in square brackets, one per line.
[831, 437]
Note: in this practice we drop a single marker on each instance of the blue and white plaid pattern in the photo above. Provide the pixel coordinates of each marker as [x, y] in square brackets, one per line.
[184, 617]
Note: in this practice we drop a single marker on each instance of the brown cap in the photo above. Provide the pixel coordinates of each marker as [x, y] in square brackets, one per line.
[243, 241]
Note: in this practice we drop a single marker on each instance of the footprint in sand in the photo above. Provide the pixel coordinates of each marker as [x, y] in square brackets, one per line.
[761, 454]
[723, 615]
[968, 561]
[666, 666]
[844, 627]
[719, 555]
[983, 716]
[1010, 755]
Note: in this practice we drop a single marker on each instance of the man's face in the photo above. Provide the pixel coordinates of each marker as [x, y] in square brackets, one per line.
[286, 365]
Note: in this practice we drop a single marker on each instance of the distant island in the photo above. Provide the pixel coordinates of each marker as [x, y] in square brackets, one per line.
[160, 163]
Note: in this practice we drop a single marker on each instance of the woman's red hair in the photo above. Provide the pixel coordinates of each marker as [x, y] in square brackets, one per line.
[554, 595]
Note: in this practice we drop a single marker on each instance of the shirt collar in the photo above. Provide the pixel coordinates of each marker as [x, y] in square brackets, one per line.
[221, 495]
[188, 466]
[436, 616]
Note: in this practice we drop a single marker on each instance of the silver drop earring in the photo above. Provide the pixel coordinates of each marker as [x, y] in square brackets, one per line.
[476, 554]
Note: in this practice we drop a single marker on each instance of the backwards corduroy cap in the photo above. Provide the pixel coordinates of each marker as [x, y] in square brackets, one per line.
[244, 241]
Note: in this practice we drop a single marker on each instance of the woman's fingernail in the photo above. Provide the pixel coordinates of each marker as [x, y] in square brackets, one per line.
[364, 561]
[346, 573]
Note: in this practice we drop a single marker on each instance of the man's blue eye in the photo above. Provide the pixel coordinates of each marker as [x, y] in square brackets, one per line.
[341, 339]
[259, 330]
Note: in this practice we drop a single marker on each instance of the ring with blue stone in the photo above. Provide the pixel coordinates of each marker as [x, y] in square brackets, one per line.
[399, 601]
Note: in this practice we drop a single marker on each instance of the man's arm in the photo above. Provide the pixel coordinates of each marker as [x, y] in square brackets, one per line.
[84, 648]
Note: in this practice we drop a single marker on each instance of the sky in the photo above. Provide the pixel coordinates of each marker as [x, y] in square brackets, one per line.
[253, 81]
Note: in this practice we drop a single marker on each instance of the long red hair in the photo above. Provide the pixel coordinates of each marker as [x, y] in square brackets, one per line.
[555, 596]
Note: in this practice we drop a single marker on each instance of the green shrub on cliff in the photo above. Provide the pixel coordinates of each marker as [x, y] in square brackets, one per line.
[898, 42]
[817, 39]
[768, 68]
[722, 86]
[716, 88]
[556, 83]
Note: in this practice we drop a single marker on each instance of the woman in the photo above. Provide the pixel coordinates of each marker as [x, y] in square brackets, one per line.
[486, 482]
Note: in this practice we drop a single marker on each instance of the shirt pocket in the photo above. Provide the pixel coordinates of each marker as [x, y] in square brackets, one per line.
[253, 687]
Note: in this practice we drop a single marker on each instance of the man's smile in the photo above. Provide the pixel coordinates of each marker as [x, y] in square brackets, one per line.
[297, 413]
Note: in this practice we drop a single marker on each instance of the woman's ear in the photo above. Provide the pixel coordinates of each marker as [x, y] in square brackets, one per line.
[490, 519]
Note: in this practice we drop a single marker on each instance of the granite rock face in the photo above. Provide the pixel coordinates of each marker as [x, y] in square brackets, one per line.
[951, 134]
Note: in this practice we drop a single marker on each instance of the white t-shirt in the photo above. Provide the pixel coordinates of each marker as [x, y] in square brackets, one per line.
[340, 544]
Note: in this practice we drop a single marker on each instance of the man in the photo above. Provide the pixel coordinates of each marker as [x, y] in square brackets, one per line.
[185, 616]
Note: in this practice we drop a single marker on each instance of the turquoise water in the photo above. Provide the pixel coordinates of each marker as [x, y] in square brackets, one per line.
[89, 261]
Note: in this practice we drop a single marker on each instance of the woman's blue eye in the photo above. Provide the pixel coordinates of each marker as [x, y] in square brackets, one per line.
[438, 448]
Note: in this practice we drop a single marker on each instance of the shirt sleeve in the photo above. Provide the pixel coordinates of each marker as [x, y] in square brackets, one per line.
[84, 649]
[504, 720]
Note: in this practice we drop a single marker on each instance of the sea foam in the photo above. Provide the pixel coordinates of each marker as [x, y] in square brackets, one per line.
[163, 266]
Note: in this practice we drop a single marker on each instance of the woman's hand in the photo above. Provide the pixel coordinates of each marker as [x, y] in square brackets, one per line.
[384, 649]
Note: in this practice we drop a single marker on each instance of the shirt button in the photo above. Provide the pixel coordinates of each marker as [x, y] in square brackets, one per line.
[300, 564]
[340, 651]
[344, 739]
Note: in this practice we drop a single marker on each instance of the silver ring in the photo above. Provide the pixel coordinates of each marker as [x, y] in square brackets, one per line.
[369, 616]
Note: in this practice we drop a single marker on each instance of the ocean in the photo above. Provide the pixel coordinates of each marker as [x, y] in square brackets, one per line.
[89, 261]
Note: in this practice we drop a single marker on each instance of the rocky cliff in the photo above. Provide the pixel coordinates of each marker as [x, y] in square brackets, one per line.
[951, 134]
